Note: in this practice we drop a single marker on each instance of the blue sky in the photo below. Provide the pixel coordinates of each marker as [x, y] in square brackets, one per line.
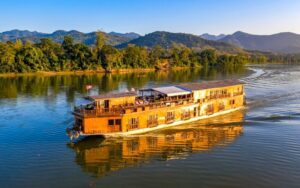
[145, 16]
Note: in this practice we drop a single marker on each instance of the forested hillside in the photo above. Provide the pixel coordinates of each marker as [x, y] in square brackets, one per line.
[112, 38]
[167, 39]
[48, 55]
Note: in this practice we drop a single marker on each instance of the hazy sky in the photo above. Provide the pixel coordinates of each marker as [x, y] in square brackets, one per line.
[145, 16]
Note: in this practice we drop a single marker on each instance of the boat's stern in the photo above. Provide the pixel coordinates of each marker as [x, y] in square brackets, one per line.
[76, 129]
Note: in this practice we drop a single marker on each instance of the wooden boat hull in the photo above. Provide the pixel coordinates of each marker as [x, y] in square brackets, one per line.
[161, 126]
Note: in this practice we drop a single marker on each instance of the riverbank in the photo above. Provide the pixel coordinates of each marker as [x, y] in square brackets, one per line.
[53, 73]
[114, 71]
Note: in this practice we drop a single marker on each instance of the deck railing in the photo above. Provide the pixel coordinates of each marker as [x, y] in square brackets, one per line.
[98, 112]
[121, 109]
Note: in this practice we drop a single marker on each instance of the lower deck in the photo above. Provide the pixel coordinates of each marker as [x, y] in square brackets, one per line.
[160, 126]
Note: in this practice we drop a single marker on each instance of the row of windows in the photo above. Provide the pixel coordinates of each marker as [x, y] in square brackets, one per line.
[114, 122]
[218, 92]
[224, 91]
[170, 115]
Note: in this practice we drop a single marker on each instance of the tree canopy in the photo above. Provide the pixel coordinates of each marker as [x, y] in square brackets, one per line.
[70, 56]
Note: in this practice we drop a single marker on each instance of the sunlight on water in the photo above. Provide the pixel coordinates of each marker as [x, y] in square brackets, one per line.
[257, 147]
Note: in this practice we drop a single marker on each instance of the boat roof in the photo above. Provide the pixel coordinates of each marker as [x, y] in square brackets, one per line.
[209, 84]
[114, 95]
[182, 89]
[171, 90]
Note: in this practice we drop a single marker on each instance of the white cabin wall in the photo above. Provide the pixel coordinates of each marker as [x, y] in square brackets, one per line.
[199, 94]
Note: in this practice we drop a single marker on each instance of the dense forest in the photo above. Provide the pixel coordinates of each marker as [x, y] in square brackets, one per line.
[19, 57]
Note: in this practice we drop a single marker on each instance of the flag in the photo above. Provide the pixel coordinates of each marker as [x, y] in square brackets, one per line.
[88, 87]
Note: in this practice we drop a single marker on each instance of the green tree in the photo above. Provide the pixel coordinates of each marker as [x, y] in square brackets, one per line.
[51, 51]
[136, 57]
[82, 57]
[68, 56]
[30, 59]
[100, 40]
[7, 58]
[208, 57]
[111, 57]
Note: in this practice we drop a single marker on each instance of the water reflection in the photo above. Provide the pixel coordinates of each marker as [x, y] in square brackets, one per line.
[100, 156]
[69, 85]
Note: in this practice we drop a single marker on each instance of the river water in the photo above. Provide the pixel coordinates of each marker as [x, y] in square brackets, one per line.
[257, 147]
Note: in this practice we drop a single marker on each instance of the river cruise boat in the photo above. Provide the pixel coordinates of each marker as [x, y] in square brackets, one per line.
[121, 114]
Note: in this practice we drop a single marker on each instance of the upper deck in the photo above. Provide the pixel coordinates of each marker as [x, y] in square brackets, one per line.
[160, 97]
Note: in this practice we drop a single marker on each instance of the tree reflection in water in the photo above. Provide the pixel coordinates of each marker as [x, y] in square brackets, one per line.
[52, 86]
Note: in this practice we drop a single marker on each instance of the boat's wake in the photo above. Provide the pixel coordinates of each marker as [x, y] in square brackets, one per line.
[275, 90]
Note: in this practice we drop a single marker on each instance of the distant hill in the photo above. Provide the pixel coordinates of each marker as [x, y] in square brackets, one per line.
[212, 37]
[130, 35]
[58, 36]
[166, 39]
[285, 42]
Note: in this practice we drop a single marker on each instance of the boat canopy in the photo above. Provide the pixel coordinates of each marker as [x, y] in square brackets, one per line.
[171, 91]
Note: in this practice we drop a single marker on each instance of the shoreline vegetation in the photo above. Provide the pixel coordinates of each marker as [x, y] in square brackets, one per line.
[78, 72]
[51, 58]
[83, 72]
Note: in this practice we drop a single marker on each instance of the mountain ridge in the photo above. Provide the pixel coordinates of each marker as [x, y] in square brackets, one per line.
[283, 42]
[167, 39]
[58, 36]
[208, 36]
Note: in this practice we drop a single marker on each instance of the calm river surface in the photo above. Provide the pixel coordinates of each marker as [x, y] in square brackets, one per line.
[258, 147]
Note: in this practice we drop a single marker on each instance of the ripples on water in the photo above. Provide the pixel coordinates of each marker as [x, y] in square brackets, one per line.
[258, 147]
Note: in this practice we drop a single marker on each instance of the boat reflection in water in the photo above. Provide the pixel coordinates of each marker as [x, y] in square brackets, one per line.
[100, 156]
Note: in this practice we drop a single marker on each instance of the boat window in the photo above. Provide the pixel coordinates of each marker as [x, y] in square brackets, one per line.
[221, 106]
[106, 103]
[111, 122]
[210, 108]
[152, 117]
[118, 121]
[170, 115]
[152, 141]
[133, 121]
